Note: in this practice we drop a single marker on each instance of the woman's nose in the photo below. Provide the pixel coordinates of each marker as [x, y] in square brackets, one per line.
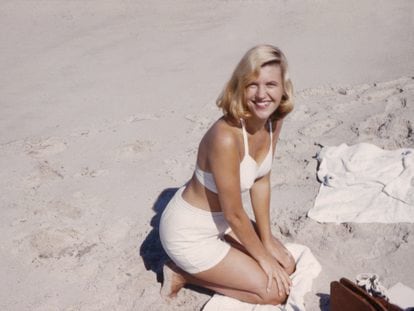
[261, 92]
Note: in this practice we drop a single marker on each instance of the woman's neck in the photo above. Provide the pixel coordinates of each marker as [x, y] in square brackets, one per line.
[253, 126]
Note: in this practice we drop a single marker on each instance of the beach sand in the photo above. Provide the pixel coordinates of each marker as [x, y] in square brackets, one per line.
[103, 105]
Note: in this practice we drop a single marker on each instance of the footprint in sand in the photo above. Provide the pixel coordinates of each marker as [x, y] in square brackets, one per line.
[301, 113]
[43, 172]
[115, 232]
[321, 91]
[55, 243]
[89, 172]
[59, 210]
[52, 243]
[382, 248]
[385, 91]
[66, 210]
[135, 149]
[82, 132]
[386, 126]
[319, 128]
[44, 148]
[142, 117]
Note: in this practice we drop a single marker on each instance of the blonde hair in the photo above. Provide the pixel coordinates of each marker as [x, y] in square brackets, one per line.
[232, 100]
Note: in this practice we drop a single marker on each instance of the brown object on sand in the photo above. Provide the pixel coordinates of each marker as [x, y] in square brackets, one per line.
[347, 296]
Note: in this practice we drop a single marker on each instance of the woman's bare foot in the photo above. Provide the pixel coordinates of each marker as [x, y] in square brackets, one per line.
[173, 281]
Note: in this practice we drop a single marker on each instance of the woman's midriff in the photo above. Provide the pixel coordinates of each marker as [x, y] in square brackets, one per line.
[200, 197]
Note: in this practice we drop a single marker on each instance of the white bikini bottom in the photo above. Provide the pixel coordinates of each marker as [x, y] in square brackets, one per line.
[192, 237]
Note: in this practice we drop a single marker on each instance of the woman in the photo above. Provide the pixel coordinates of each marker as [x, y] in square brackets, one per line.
[204, 229]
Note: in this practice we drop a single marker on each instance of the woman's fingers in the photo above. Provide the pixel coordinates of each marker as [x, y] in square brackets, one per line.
[269, 280]
[288, 281]
[283, 282]
[280, 285]
[287, 278]
[275, 273]
[286, 284]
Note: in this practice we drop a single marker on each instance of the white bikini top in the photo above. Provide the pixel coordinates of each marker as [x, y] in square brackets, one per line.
[249, 169]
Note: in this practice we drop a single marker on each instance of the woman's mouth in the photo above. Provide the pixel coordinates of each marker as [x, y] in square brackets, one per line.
[262, 105]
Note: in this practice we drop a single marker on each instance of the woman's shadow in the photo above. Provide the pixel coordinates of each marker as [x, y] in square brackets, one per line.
[151, 249]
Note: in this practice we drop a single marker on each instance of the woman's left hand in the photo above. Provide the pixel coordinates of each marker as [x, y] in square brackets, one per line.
[281, 254]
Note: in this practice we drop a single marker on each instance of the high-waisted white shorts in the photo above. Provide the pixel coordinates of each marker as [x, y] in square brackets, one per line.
[192, 237]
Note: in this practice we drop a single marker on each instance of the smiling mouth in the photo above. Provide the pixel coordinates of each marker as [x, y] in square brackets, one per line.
[262, 104]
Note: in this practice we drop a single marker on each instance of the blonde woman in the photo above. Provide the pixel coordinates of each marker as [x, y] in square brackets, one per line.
[204, 229]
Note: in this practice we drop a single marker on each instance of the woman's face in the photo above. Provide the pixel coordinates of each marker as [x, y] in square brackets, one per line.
[263, 94]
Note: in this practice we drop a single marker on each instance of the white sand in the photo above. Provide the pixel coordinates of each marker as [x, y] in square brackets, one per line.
[102, 107]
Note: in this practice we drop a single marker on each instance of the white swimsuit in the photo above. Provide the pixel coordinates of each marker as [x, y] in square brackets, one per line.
[193, 237]
[249, 169]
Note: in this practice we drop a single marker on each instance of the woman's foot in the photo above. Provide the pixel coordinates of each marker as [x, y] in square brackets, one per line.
[173, 281]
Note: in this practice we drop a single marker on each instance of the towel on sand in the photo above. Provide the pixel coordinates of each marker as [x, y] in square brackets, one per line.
[401, 295]
[363, 183]
[307, 268]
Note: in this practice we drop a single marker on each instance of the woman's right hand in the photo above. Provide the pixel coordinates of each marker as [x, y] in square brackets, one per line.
[275, 272]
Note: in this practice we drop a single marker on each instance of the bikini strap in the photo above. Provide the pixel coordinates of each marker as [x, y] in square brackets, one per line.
[246, 142]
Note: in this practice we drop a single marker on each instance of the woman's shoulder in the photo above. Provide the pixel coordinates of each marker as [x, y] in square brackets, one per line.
[220, 140]
[223, 134]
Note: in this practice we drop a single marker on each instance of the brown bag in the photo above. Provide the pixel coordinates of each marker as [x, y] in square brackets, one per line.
[347, 296]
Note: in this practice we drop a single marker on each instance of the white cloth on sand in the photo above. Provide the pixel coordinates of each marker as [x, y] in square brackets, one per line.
[364, 183]
[401, 295]
[307, 268]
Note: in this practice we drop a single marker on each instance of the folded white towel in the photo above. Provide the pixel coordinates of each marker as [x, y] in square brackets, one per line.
[307, 268]
[364, 183]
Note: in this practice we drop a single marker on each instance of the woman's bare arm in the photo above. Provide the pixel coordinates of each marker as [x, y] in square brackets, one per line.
[224, 162]
[260, 198]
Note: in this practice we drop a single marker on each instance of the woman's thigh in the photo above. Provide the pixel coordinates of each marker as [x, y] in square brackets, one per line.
[239, 271]
[285, 258]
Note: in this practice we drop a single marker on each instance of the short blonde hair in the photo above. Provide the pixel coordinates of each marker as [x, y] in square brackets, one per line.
[232, 100]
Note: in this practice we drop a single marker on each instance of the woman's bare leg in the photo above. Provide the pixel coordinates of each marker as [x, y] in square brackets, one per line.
[238, 275]
[286, 259]
[175, 278]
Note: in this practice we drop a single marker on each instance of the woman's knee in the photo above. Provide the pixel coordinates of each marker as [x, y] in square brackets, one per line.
[288, 263]
[290, 266]
[272, 297]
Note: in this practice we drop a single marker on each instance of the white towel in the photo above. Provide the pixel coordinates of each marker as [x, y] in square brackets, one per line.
[363, 183]
[307, 268]
[401, 295]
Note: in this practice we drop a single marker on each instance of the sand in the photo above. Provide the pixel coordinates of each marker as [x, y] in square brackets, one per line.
[103, 105]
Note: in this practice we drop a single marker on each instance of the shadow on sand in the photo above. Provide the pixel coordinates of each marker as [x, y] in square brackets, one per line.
[323, 301]
[151, 249]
